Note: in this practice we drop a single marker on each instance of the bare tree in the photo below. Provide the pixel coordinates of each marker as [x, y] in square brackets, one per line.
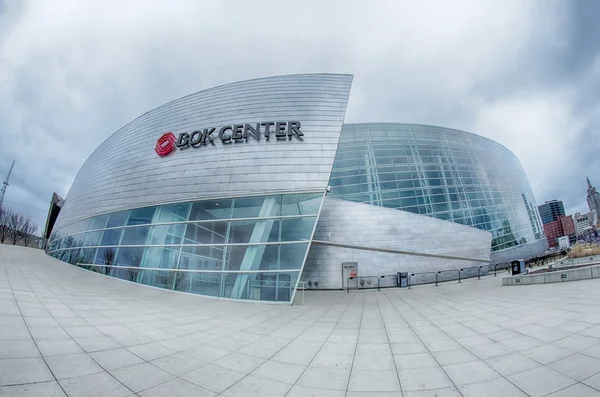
[4, 224]
[28, 231]
[15, 224]
[109, 258]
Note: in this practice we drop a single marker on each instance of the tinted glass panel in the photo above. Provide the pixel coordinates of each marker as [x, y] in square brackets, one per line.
[129, 256]
[201, 258]
[161, 257]
[252, 207]
[172, 213]
[302, 204]
[135, 235]
[106, 256]
[98, 222]
[87, 255]
[83, 225]
[206, 233]
[166, 234]
[92, 238]
[265, 257]
[297, 229]
[218, 209]
[141, 216]
[251, 231]
[111, 237]
[117, 219]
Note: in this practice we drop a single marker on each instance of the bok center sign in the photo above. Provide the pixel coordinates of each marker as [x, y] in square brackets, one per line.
[228, 134]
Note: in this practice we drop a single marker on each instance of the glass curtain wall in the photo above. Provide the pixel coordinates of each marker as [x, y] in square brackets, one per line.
[242, 248]
[443, 173]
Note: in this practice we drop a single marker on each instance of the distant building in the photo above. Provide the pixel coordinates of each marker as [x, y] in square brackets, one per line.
[551, 211]
[593, 200]
[553, 230]
[564, 242]
[568, 225]
[582, 222]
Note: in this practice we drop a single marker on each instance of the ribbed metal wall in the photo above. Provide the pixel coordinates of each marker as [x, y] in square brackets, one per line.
[362, 225]
[125, 172]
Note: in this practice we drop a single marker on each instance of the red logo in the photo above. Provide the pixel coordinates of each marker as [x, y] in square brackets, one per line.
[165, 144]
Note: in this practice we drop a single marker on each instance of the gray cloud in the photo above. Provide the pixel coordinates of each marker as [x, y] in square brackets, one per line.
[522, 73]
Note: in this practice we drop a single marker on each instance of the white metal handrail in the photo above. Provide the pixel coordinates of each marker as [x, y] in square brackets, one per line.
[302, 284]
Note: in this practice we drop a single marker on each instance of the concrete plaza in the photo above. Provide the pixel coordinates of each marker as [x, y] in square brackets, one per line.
[66, 331]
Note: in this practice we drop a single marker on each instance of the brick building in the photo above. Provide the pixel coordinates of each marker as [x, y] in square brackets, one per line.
[553, 231]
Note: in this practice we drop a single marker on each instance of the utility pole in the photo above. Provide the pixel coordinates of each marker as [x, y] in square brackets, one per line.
[5, 184]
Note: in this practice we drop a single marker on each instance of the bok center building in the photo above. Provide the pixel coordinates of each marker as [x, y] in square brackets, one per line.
[243, 190]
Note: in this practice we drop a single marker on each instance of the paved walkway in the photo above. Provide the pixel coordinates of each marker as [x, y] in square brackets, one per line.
[65, 331]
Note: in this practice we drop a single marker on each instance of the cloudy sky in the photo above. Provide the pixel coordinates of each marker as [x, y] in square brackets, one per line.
[524, 73]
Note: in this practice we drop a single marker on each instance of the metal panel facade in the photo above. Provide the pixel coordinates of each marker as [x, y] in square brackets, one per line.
[443, 173]
[363, 225]
[125, 171]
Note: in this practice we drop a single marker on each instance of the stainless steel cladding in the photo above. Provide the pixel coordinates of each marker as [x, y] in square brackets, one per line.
[126, 172]
[384, 241]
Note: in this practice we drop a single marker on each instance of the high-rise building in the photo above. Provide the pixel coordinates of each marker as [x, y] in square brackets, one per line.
[551, 211]
[582, 221]
[593, 198]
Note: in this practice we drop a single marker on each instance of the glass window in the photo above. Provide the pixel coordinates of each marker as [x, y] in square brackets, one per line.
[117, 219]
[161, 257]
[156, 278]
[172, 213]
[297, 229]
[129, 256]
[98, 222]
[135, 235]
[268, 286]
[124, 274]
[166, 234]
[141, 216]
[87, 255]
[92, 238]
[265, 257]
[253, 207]
[111, 237]
[215, 209]
[201, 257]
[206, 233]
[77, 240]
[252, 231]
[105, 256]
[199, 283]
[291, 256]
[83, 225]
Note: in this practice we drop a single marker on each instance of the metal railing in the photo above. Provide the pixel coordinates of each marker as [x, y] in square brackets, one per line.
[301, 285]
[365, 282]
[420, 278]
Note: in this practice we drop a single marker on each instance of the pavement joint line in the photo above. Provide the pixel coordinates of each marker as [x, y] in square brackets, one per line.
[442, 367]
[389, 343]
[27, 326]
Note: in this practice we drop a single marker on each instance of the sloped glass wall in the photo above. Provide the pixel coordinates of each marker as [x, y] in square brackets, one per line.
[240, 248]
